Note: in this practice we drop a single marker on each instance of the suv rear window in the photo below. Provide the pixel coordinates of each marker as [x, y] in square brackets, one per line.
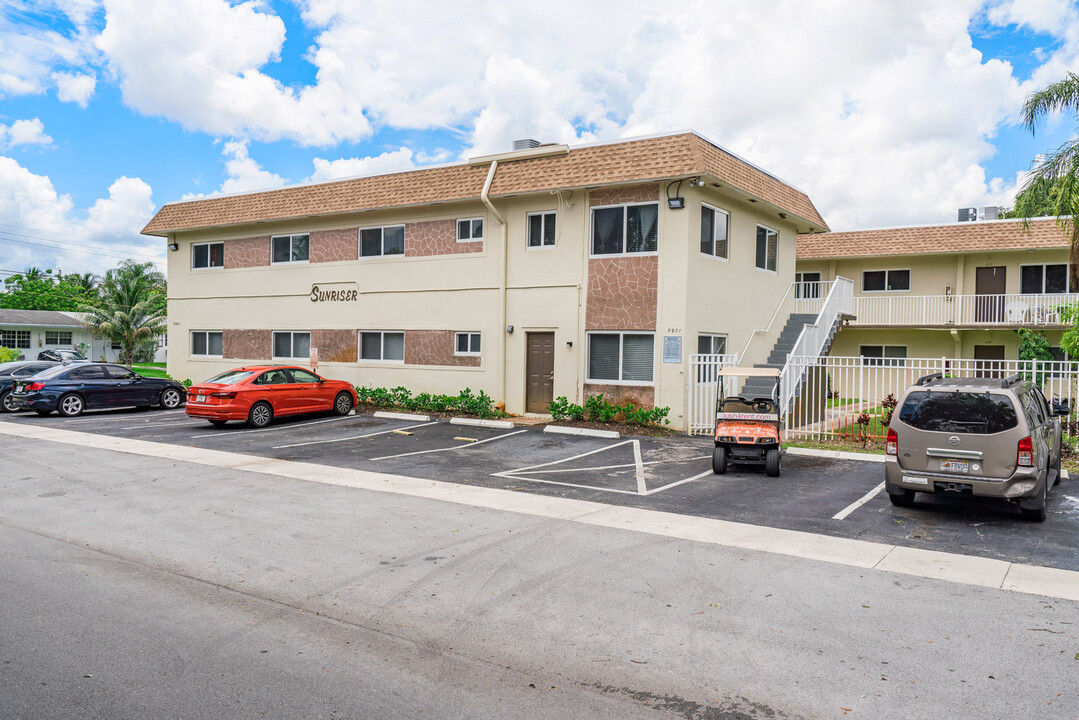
[975, 413]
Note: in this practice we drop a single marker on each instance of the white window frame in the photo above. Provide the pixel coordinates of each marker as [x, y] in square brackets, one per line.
[470, 353]
[292, 344]
[882, 361]
[472, 229]
[208, 255]
[382, 241]
[58, 340]
[381, 346]
[727, 219]
[18, 336]
[712, 337]
[766, 269]
[1067, 275]
[207, 354]
[621, 356]
[886, 281]
[625, 231]
[543, 214]
[291, 237]
[801, 285]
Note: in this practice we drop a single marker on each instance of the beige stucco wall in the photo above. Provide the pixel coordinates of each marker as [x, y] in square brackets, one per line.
[922, 343]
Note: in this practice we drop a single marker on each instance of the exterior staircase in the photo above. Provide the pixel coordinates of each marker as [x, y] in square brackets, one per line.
[778, 357]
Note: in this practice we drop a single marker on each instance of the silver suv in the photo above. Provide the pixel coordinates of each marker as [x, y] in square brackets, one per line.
[975, 436]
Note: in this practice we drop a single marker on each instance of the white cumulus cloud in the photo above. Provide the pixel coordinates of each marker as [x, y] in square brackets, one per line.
[77, 88]
[387, 162]
[23, 132]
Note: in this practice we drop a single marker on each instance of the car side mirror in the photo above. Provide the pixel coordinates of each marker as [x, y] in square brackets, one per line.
[1061, 408]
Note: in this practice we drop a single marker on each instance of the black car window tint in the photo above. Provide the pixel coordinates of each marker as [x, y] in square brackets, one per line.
[954, 412]
[94, 372]
[303, 376]
[118, 372]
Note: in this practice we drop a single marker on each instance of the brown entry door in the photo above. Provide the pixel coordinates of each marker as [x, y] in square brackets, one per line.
[990, 283]
[540, 372]
[990, 361]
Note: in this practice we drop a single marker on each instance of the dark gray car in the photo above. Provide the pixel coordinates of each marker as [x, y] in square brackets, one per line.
[989, 437]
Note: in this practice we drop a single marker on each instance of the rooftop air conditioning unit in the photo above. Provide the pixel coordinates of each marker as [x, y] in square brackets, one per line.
[526, 144]
[992, 213]
[968, 214]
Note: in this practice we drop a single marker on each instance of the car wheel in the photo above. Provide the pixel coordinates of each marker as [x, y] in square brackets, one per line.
[260, 416]
[6, 404]
[719, 460]
[771, 462]
[71, 405]
[1038, 511]
[1057, 466]
[901, 497]
[342, 404]
[171, 398]
[218, 423]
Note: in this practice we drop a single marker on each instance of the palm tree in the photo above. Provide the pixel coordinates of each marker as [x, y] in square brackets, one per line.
[130, 309]
[87, 282]
[1055, 179]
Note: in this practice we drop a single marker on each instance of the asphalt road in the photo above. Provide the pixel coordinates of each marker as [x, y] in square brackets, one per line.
[139, 587]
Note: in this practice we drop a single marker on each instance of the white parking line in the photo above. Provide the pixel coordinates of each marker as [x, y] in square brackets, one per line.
[446, 449]
[653, 491]
[186, 421]
[842, 514]
[211, 435]
[353, 437]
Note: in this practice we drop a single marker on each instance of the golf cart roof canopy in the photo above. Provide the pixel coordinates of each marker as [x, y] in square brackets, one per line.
[748, 372]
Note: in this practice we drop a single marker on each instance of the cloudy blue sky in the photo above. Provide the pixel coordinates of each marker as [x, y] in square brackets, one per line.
[885, 112]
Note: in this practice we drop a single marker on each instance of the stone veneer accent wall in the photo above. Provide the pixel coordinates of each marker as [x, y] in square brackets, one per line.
[334, 245]
[247, 252]
[336, 345]
[435, 347]
[627, 194]
[622, 293]
[621, 394]
[247, 344]
[437, 237]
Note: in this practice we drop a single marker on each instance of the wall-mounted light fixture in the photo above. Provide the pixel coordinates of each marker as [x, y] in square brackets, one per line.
[509, 329]
[677, 202]
[174, 246]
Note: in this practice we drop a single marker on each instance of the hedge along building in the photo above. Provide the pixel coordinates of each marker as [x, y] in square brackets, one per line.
[958, 290]
[532, 274]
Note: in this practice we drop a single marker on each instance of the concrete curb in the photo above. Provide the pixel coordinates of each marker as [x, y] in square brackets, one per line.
[835, 454]
[476, 422]
[402, 416]
[586, 432]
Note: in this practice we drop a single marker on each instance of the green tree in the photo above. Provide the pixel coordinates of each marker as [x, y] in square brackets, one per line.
[1053, 187]
[130, 308]
[87, 282]
[37, 290]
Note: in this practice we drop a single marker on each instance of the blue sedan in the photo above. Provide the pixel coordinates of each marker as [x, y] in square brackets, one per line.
[13, 371]
[71, 389]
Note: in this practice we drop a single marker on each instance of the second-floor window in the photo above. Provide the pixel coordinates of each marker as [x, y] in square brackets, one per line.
[388, 240]
[470, 230]
[541, 229]
[885, 280]
[1041, 279]
[767, 248]
[207, 255]
[289, 248]
[715, 224]
[625, 229]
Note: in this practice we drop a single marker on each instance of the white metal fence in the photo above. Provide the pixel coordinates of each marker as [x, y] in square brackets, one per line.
[703, 373]
[813, 338]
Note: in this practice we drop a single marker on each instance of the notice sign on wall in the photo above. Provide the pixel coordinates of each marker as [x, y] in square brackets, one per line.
[672, 348]
[334, 292]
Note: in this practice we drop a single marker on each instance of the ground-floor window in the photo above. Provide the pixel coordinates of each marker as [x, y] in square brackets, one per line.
[57, 337]
[206, 343]
[711, 344]
[382, 346]
[15, 339]
[292, 345]
[621, 357]
[884, 355]
[466, 343]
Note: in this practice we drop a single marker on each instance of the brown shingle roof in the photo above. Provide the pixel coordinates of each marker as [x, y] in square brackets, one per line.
[649, 159]
[932, 239]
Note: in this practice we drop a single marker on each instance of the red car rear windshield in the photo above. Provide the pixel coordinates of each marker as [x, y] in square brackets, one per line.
[231, 377]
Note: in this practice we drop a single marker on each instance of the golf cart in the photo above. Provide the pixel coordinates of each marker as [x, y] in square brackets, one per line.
[747, 419]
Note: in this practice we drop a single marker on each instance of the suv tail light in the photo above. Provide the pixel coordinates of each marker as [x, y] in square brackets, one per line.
[1025, 453]
[892, 447]
[33, 387]
[227, 395]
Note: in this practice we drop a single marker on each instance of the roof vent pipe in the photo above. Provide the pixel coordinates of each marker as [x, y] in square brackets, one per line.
[526, 144]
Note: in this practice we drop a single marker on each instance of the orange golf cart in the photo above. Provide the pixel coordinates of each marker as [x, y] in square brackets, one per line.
[747, 419]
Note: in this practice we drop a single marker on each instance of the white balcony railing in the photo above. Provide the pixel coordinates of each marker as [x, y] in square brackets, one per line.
[943, 310]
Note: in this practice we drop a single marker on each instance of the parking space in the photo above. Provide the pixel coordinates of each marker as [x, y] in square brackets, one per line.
[827, 496]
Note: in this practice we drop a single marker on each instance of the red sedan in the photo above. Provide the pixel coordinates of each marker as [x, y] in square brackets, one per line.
[259, 393]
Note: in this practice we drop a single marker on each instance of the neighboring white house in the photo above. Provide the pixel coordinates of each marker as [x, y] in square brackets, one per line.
[31, 331]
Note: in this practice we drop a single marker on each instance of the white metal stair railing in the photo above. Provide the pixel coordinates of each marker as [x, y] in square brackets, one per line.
[812, 341]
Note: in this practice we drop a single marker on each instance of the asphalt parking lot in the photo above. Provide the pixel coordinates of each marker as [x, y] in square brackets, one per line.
[826, 496]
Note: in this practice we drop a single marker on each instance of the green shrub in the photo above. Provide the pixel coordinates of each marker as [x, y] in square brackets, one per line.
[8, 355]
[562, 409]
[399, 397]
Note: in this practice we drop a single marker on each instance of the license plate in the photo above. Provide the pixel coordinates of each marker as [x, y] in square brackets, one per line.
[915, 480]
[20, 388]
[954, 465]
[200, 398]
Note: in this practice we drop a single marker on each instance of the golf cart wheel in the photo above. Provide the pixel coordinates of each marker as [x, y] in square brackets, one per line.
[719, 460]
[771, 462]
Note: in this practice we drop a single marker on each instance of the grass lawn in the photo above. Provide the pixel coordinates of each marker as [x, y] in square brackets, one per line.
[153, 370]
[145, 365]
[836, 402]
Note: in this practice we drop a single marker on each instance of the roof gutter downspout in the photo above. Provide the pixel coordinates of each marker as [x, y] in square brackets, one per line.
[502, 332]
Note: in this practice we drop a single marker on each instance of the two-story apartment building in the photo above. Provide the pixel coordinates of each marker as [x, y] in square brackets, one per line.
[955, 291]
[529, 275]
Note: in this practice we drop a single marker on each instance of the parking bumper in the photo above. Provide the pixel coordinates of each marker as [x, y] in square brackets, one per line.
[1022, 483]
